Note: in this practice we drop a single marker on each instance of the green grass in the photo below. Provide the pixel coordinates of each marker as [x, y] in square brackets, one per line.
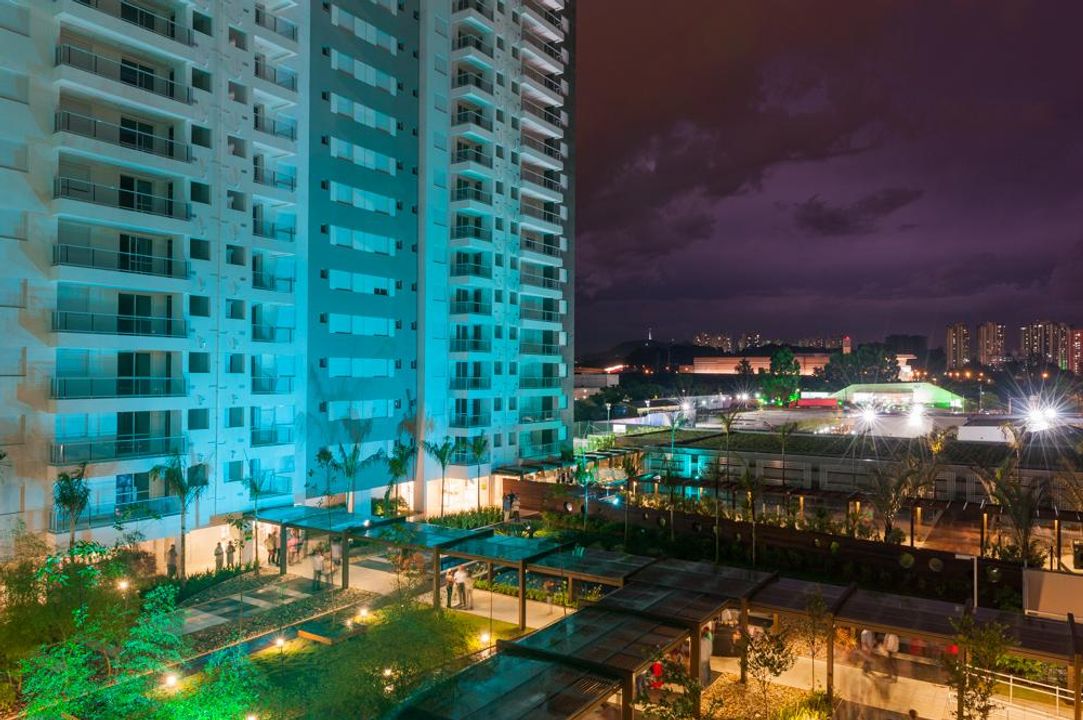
[475, 625]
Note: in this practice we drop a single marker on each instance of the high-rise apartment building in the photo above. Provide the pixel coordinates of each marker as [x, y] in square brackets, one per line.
[241, 232]
[991, 347]
[1045, 341]
[957, 345]
[1075, 351]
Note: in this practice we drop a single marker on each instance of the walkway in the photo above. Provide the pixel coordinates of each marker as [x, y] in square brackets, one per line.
[233, 607]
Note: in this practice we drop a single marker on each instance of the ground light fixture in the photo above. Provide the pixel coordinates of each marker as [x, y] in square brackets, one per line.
[170, 680]
[250, 716]
[485, 638]
[363, 612]
[280, 642]
[123, 585]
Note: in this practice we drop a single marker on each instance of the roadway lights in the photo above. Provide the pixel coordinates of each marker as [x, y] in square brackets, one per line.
[868, 415]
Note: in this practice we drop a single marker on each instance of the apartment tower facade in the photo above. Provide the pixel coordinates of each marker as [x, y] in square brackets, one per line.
[957, 345]
[992, 351]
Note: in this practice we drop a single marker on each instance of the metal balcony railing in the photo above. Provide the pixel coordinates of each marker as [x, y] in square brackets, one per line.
[90, 257]
[462, 232]
[469, 307]
[126, 73]
[143, 18]
[473, 79]
[541, 281]
[470, 383]
[102, 449]
[271, 385]
[274, 435]
[275, 24]
[478, 6]
[271, 334]
[267, 229]
[542, 113]
[553, 52]
[470, 421]
[472, 155]
[540, 213]
[528, 416]
[472, 41]
[540, 180]
[550, 18]
[90, 127]
[473, 117]
[128, 507]
[272, 178]
[278, 127]
[471, 270]
[543, 80]
[469, 345]
[280, 76]
[81, 388]
[539, 247]
[133, 200]
[267, 281]
[539, 383]
[527, 313]
[472, 193]
[109, 324]
[541, 147]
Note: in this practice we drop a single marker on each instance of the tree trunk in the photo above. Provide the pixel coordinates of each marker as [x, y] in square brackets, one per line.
[442, 481]
[182, 565]
[71, 539]
[478, 481]
[255, 533]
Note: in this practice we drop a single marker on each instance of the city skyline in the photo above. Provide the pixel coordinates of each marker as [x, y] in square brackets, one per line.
[772, 183]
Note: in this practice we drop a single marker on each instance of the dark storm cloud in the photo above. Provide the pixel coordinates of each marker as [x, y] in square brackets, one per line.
[819, 218]
[741, 158]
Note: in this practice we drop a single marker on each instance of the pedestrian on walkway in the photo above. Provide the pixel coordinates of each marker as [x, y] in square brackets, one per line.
[218, 555]
[272, 548]
[868, 642]
[891, 647]
[336, 553]
[293, 547]
[230, 552]
[706, 647]
[515, 507]
[460, 586]
[468, 589]
[506, 505]
[317, 570]
[171, 562]
[449, 585]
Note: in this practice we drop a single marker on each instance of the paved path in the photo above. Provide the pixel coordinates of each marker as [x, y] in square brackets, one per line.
[233, 607]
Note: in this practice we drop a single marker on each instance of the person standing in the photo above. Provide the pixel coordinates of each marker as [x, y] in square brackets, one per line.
[706, 647]
[468, 587]
[317, 570]
[230, 552]
[868, 642]
[891, 647]
[171, 562]
[515, 507]
[460, 586]
[506, 506]
[336, 553]
[449, 585]
[218, 555]
[272, 548]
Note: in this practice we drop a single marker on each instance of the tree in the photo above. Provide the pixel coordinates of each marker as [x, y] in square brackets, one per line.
[981, 647]
[749, 483]
[230, 688]
[892, 486]
[744, 369]
[1019, 500]
[681, 697]
[154, 644]
[631, 464]
[442, 454]
[398, 467]
[769, 655]
[814, 627]
[187, 487]
[783, 432]
[254, 484]
[871, 362]
[71, 493]
[780, 384]
[479, 446]
[350, 463]
[59, 681]
[584, 476]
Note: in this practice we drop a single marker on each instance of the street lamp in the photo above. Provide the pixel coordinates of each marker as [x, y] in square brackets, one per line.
[974, 558]
[608, 408]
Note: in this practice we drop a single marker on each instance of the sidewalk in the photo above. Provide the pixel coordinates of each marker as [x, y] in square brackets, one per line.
[234, 607]
[506, 609]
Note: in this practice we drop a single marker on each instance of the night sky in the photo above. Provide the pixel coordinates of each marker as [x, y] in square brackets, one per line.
[802, 168]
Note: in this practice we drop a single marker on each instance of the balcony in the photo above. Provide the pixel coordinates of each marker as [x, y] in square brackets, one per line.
[528, 416]
[548, 52]
[471, 270]
[550, 316]
[128, 74]
[271, 334]
[266, 281]
[472, 155]
[90, 257]
[541, 248]
[472, 42]
[477, 6]
[121, 136]
[139, 202]
[470, 383]
[275, 24]
[542, 118]
[540, 281]
[548, 20]
[468, 345]
[468, 194]
[272, 178]
[546, 349]
[85, 388]
[465, 457]
[136, 506]
[543, 85]
[105, 449]
[471, 232]
[273, 231]
[271, 385]
[548, 216]
[269, 484]
[143, 18]
[540, 383]
[273, 435]
[470, 421]
[464, 120]
[473, 80]
[543, 186]
[545, 153]
[280, 76]
[542, 450]
[108, 324]
[279, 127]
[470, 307]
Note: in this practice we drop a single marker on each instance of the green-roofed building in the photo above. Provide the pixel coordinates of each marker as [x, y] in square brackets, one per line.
[888, 395]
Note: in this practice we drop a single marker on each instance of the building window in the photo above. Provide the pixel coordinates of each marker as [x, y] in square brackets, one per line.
[199, 419]
[235, 417]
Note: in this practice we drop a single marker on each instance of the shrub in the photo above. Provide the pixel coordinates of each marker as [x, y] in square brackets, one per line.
[198, 582]
[470, 519]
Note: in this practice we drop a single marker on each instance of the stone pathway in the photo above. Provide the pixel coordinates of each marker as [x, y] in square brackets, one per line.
[230, 609]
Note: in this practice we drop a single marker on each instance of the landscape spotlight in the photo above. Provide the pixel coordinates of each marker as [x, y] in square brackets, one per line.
[171, 680]
[485, 637]
[122, 585]
[280, 642]
[363, 612]
[387, 672]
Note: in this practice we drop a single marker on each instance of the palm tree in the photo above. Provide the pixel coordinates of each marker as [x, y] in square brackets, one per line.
[752, 486]
[479, 446]
[442, 454]
[174, 474]
[1019, 500]
[71, 493]
[254, 484]
[583, 476]
[783, 433]
[325, 459]
[398, 467]
[892, 487]
[350, 464]
[631, 465]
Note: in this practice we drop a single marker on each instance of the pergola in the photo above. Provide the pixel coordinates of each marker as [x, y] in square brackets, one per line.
[513, 687]
[602, 567]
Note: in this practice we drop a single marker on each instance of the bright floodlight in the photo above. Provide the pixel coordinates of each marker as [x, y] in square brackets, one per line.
[686, 407]
[122, 585]
[1039, 419]
[1050, 413]
[868, 415]
[171, 680]
[280, 641]
[485, 637]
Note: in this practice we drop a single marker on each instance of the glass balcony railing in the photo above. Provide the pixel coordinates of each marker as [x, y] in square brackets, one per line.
[540, 213]
[549, 18]
[125, 199]
[269, 484]
[549, 349]
[540, 281]
[102, 259]
[543, 114]
[472, 41]
[143, 18]
[278, 127]
[541, 248]
[128, 507]
[529, 416]
[123, 72]
[541, 79]
[275, 179]
[122, 136]
[469, 345]
[274, 435]
[267, 281]
[473, 155]
[271, 385]
[472, 117]
[540, 383]
[550, 50]
[478, 6]
[470, 421]
[110, 324]
[280, 76]
[463, 232]
[528, 313]
[273, 231]
[470, 307]
[464, 79]
[103, 449]
[541, 147]
[275, 24]
[75, 388]
[470, 383]
[471, 270]
[271, 334]
[471, 193]
[536, 178]
[540, 450]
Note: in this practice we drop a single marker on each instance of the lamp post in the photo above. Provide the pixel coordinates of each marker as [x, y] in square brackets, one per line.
[608, 408]
[973, 558]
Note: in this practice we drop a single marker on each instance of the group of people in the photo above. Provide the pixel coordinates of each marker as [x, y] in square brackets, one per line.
[224, 558]
[510, 505]
[326, 560]
[869, 645]
[459, 583]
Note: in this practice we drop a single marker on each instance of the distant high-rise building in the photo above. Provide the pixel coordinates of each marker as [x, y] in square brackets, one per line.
[1045, 341]
[991, 349]
[957, 346]
[1075, 351]
[721, 341]
[749, 340]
